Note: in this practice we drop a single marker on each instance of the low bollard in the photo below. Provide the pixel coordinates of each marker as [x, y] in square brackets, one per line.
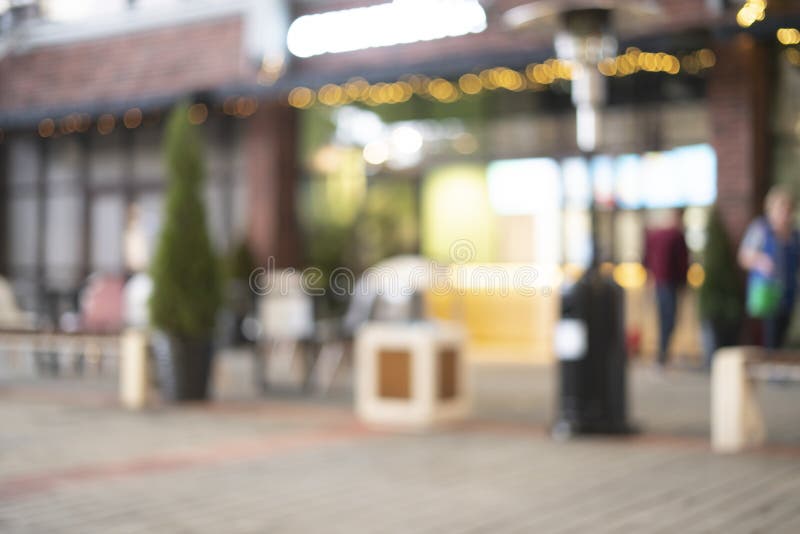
[736, 421]
[133, 370]
[411, 374]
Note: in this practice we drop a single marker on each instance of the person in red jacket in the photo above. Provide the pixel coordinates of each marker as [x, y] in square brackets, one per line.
[667, 259]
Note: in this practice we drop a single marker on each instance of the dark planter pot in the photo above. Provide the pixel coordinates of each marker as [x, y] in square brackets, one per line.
[240, 306]
[716, 335]
[183, 366]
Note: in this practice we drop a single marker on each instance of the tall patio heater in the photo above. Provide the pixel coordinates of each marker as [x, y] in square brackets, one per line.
[590, 337]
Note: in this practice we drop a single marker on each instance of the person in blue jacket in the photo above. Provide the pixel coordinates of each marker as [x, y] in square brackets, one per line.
[771, 250]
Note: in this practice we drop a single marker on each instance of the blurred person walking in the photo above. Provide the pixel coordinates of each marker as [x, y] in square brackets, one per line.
[770, 253]
[667, 259]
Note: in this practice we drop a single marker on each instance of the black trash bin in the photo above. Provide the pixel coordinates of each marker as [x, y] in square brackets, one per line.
[590, 345]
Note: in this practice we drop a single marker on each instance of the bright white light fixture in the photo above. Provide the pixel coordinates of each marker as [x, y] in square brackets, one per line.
[376, 153]
[407, 140]
[397, 22]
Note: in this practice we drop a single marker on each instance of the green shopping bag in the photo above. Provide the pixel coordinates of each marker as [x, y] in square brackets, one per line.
[763, 297]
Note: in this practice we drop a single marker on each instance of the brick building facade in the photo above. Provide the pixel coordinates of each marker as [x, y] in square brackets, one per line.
[146, 60]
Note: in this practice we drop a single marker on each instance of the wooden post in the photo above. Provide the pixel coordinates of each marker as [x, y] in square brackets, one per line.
[736, 421]
[133, 370]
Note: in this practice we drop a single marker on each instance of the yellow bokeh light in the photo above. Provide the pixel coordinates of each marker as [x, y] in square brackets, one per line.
[487, 78]
[229, 106]
[607, 67]
[356, 88]
[751, 12]
[788, 36]
[418, 83]
[47, 127]
[543, 74]
[106, 123]
[690, 64]
[301, 97]
[331, 95]
[132, 118]
[405, 91]
[198, 113]
[470, 84]
[630, 275]
[696, 275]
[671, 65]
[84, 121]
[510, 79]
[707, 58]
[442, 90]
[246, 106]
[627, 64]
[562, 69]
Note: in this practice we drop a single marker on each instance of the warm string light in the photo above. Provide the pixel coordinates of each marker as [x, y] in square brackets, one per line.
[788, 36]
[133, 118]
[793, 56]
[751, 12]
[535, 77]
[634, 60]
[198, 113]
[240, 107]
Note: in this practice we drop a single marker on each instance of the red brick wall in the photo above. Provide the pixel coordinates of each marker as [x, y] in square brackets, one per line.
[738, 106]
[155, 62]
[270, 153]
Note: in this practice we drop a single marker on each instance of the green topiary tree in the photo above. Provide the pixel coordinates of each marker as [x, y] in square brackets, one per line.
[721, 296]
[240, 262]
[186, 275]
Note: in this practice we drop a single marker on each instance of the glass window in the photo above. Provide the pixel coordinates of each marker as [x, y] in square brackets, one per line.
[215, 197]
[577, 183]
[151, 213]
[697, 165]
[602, 171]
[628, 181]
[148, 162]
[524, 186]
[240, 209]
[108, 224]
[23, 232]
[64, 161]
[23, 160]
[63, 239]
[107, 162]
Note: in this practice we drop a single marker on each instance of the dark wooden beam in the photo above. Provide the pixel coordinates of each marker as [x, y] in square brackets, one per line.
[85, 178]
[42, 187]
[5, 202]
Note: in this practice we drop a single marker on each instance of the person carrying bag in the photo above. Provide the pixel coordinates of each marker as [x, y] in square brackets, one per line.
[770, 252]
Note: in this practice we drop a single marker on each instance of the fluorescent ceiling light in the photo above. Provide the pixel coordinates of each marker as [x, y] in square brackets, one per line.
[401, 21]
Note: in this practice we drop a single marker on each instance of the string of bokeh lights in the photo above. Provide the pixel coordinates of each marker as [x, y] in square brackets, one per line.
[535, 77]
[105, 123]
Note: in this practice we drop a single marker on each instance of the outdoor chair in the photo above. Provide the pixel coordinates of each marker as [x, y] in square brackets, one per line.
[286, 314]
[389, 291]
